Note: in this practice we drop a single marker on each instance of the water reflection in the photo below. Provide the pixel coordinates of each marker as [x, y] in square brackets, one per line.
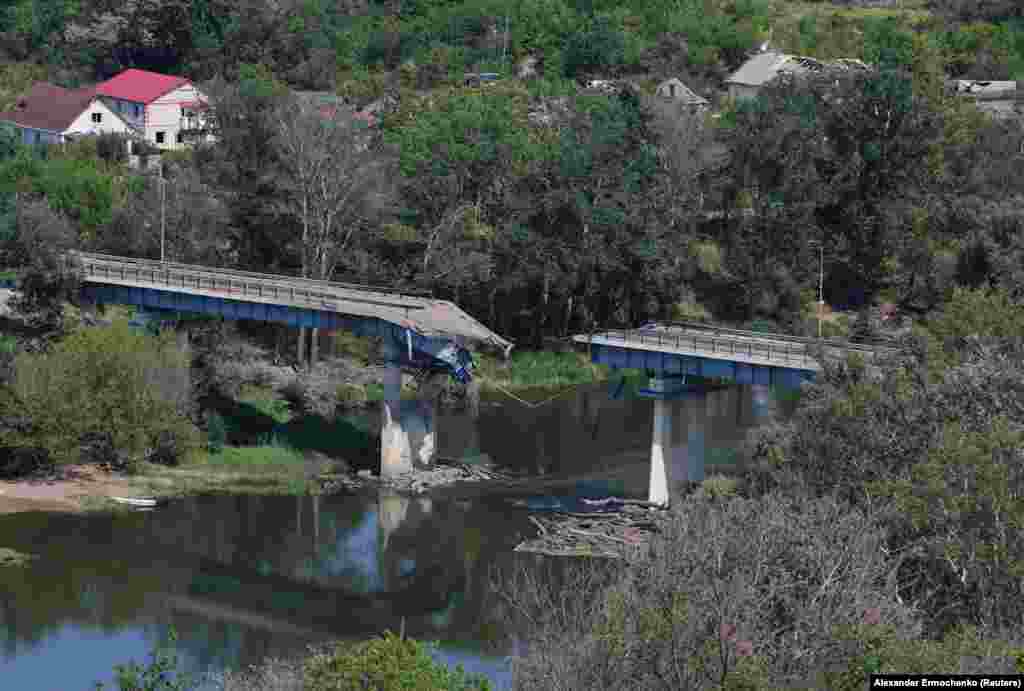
[255, 575]
[241, 578]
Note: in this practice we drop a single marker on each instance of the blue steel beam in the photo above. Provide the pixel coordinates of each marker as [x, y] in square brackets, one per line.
[418, 350]
[674, 364]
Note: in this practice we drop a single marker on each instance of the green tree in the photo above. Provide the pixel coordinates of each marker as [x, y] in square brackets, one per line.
[390, 663]
[104, 383]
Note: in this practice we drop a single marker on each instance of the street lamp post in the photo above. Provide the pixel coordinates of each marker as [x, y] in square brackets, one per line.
[821, 280]
[163, 213]
[821, 285]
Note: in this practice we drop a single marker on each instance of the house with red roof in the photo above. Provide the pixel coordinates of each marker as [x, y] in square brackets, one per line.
[166, 111]
[50, 114]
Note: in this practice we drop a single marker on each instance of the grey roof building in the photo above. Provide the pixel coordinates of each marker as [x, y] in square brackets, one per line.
[765, 67]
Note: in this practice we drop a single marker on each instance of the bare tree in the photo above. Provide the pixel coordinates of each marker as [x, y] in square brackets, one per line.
[334, 184]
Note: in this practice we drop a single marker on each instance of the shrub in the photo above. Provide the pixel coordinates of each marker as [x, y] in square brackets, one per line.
[216, 433]
[112, 388]
[169, 448]
[600, 47]
[22, 460]
[936, 455]
[350, 394]
[160, 674]
[390, 663]
[737, 593]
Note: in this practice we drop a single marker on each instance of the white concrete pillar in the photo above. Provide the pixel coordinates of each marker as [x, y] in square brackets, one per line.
[395, 450]
[661, 445]
[408, 434]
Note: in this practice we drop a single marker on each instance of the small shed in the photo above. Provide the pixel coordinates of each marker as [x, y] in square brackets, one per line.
[674, 90]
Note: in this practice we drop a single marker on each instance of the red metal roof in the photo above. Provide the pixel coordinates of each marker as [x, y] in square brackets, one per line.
[49, 107]
[140, 86]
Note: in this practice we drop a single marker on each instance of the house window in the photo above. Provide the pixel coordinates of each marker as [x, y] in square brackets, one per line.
[180, 138]
[159, 137]
[97, 117]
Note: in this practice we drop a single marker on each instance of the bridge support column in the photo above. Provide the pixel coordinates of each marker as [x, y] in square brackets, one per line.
[661, 445]
[407, 427]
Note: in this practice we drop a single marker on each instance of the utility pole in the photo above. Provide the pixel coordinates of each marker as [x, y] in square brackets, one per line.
[163, 213]
[821, 286]
[821, 280]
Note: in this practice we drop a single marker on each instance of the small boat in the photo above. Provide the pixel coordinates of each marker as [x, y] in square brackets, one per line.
[135, 501]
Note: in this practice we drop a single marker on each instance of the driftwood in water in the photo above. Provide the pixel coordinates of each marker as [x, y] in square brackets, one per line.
[624, 534]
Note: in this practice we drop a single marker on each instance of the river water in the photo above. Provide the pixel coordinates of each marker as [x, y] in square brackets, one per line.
[242, 578]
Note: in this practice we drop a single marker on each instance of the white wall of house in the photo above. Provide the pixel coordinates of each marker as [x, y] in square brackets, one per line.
[166, 116]
[96, 119]
[133, 113]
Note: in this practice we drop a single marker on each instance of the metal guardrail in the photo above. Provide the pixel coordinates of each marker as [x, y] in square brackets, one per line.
[783, 350]
[153, 263]
[864, 344]
[234, 283]
[713, 345]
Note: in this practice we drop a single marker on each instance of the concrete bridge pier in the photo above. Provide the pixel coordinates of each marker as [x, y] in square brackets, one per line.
[407, 435]
[661, 445]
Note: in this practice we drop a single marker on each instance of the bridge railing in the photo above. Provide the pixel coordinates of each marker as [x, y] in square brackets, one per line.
[787, 354]
[781, 350]
[874, 345]
[149, 264]
[233, 283]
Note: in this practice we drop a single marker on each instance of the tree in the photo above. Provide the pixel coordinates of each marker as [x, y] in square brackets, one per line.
[240, 167]
[106, 384]
[332, 183]
[40, 238]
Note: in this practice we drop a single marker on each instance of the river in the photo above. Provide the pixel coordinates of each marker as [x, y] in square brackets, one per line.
[242, 578]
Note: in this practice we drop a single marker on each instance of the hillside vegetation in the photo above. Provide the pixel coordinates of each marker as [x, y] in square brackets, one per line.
[543, 208]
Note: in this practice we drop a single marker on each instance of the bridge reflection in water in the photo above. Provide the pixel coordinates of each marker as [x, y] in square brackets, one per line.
[287, 570]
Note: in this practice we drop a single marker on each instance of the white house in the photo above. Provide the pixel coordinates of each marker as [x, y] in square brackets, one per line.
[167, 111]
[50, 114]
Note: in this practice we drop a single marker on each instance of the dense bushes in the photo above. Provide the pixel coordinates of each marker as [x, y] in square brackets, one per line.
[932, 445]
[739, 593]
[390, 663]
[111, 394]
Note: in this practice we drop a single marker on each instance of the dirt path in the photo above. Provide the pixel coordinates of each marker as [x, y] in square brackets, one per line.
[64, 493]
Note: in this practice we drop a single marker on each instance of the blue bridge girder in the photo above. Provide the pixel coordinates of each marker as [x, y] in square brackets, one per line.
[706, 350]
[418, 351]
[423, 333]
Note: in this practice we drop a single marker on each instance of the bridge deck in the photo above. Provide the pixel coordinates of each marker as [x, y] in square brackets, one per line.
[719, 343]
[424, 315]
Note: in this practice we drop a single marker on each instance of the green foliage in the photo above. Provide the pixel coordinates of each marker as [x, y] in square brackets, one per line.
[983, 313]
[538, 370]
[160, 674]
[877, 649]
[111, 382]
[82, 188]
[934, 449]
[599, 47]
[216, 433]
[887, 44]
[386, 664]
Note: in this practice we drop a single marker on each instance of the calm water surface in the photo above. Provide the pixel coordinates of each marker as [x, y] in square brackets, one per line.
[242, 578]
